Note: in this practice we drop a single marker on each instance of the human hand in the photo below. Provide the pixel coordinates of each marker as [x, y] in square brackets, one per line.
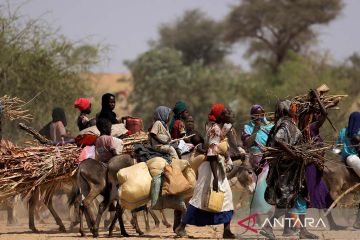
[257, 125]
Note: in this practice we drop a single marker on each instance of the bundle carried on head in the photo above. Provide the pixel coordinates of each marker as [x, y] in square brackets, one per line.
[310, 105]
[24, 168]
[12, 108]
[305, 104]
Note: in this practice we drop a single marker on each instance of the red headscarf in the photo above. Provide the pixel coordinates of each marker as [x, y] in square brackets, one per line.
[216, 111]
[82, 104]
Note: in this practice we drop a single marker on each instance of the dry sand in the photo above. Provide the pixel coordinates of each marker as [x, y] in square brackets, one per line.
[49, 230]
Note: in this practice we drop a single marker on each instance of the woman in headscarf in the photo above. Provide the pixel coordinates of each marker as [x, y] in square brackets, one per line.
[55, 130]
[159, 134]
[211, 174]
[286, 186]
[107, 108]
[57, 127]
[84, 105]
[319, 194]
[177, 124]
[350, 138]
[254, 137]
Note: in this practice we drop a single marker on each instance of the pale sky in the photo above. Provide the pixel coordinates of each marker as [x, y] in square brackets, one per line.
[127, 25]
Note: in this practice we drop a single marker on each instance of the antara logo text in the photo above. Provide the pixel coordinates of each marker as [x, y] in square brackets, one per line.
[309, 222]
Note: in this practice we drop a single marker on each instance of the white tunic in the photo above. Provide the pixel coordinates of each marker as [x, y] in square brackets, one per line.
[203, 185]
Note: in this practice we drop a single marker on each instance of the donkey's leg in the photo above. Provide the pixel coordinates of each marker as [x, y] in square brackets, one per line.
[81, 213]
[137, 228]
[164, 219]
[177, 219]
[103, 205]
[112, 224]
[156, 219]
[11, 219]
[77, 212]
[120, 212]
[357, 221]
[93, 193]
[146, 219]
[32, 204]
[58, 221]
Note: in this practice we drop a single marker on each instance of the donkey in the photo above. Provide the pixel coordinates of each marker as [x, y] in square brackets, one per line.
[95, 178]
[8, 206]
[338, 178]
[46, 192]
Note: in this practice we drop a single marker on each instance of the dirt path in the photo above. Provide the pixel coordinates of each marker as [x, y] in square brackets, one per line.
[49, 231]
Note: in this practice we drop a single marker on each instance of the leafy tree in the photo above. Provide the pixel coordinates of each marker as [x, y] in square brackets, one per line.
[160, 78]
[35, 60]
[197, 36]
[273, 27]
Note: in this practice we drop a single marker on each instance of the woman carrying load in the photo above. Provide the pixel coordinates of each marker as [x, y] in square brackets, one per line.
[211, 175]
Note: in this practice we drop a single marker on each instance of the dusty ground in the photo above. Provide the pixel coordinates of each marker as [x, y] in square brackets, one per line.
[49, 230]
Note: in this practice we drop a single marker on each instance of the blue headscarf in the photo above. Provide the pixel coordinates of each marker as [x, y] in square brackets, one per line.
[161, 114]
[354, 124]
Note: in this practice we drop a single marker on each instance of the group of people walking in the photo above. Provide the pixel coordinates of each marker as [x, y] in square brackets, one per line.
[282, 189]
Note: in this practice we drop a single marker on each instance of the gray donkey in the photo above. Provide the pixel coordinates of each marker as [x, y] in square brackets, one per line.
[95, 178]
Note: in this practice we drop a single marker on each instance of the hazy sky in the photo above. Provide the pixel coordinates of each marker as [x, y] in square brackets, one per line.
[127, 25]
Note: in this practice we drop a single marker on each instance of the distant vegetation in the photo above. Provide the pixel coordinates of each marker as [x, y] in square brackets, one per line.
[188, 60]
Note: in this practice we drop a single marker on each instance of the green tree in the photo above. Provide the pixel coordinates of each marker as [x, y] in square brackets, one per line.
[197, 36]
[273, 28]
[33, 60]
[161, 78]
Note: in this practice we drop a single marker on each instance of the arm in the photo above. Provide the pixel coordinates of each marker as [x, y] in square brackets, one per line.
[249, 141]
[214, 166]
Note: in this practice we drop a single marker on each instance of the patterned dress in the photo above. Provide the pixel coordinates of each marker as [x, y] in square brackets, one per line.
[196, 213]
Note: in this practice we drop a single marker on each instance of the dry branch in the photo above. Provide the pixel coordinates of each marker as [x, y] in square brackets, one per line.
[23, 169]
[13, 108]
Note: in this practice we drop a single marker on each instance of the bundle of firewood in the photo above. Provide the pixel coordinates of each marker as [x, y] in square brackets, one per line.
[304, 103]
[13, 108]
[24, 168]
[137, 138]
[308, 152]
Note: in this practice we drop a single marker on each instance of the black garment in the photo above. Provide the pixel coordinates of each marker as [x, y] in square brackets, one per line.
[142, 153]
[106, 112]
[109, 115]
[82, 125]
[58, 114]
